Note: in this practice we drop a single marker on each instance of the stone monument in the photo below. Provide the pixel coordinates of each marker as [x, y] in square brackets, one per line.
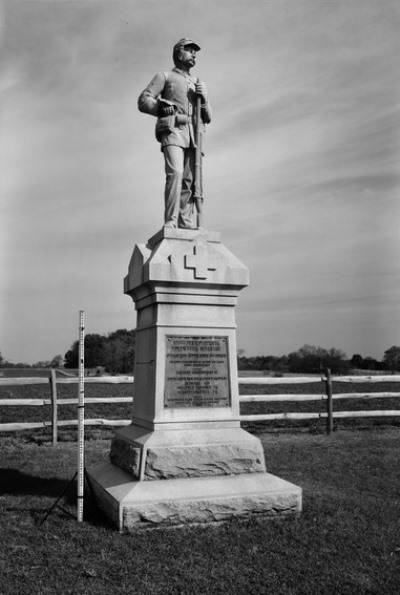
[185, 458]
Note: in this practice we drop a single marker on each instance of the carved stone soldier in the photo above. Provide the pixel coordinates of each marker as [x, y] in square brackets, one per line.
[171, 97]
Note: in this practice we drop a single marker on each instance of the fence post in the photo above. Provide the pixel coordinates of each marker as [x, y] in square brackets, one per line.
[53, 383]
[329, 402]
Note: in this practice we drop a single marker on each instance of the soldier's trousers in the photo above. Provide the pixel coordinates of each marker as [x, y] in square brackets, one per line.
[179, 170]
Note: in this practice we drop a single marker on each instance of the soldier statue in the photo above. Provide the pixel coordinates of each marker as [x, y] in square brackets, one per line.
[172, 97]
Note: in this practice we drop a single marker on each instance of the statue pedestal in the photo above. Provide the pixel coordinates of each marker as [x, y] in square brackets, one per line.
[184, 458]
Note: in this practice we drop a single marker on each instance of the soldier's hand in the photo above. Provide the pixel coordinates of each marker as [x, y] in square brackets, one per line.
[201, 90]
[165, 108]
[168, 110]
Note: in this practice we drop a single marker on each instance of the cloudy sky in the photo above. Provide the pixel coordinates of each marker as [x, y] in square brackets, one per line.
[301, 170]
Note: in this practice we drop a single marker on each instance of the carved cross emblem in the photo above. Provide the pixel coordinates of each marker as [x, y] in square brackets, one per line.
[199, 261]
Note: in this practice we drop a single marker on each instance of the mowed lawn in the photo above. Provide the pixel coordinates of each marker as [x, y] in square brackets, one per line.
[347, 540]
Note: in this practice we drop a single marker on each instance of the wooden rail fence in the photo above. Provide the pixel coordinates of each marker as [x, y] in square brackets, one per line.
[54, 401]
[327, 395]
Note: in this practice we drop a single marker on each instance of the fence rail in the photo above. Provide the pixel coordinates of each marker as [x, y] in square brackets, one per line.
[14, 427]
[72, 380]
[327, 396]
[285, 397]
[88, 401]
[312, 379]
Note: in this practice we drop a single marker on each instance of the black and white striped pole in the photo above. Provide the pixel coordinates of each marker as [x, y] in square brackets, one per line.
[81, 416]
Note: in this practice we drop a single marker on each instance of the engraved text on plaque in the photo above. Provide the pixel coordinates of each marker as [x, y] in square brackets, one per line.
[197, 372]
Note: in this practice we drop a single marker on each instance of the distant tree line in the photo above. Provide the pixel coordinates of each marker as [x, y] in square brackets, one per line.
[56, 362]
[115, 353]
[311, 359]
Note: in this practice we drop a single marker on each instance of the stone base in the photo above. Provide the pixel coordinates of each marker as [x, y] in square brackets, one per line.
[132, 505]
[174, 454]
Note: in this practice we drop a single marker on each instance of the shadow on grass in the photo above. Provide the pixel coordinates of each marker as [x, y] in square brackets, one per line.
[15, 482]
[64, 492]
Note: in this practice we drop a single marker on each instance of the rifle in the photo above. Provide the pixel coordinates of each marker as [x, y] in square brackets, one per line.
[198, 186]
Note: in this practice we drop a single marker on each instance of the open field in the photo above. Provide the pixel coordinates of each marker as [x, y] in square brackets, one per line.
[347, 541]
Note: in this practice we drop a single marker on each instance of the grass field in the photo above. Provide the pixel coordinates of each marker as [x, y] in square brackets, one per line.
[347, 540]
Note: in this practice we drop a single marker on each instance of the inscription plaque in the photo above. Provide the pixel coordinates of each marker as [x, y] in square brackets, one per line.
[197, 372]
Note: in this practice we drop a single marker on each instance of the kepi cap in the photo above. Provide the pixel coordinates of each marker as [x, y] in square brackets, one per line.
[184, 42]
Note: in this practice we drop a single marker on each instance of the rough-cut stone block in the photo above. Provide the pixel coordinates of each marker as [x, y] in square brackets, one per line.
[126, 456]
[166, 454]
[132, 505]
[200, 461]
